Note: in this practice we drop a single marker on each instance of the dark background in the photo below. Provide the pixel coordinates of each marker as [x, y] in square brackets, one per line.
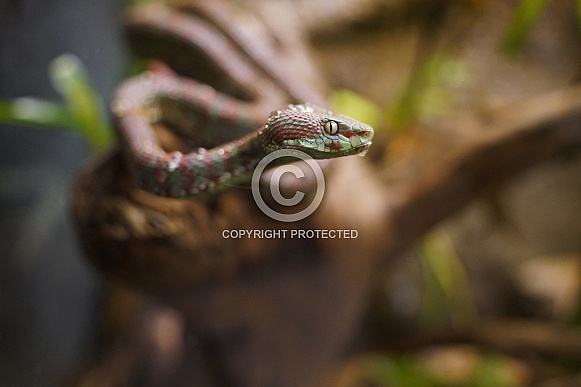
[49, 295]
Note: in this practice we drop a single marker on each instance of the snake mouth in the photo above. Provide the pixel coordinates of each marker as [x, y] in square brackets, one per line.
[363, 146]
[360, 150]
[316, 154]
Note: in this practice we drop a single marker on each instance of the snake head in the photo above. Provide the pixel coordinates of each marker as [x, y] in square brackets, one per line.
[316, 131]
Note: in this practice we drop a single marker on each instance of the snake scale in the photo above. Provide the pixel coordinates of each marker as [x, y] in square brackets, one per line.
[231, 121]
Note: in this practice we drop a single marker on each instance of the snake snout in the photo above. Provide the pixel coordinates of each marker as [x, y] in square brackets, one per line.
[364, 132]
[364, 136]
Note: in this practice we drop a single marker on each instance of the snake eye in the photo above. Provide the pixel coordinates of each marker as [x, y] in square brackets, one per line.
[331, 127]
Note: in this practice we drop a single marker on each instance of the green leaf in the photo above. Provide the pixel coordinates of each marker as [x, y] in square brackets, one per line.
[427, 92]
[447, 293]
[82, 111]
[522, 21]
[70, 79]
[36, 112]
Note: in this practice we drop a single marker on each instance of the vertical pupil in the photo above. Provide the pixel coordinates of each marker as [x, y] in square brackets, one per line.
[331, 127]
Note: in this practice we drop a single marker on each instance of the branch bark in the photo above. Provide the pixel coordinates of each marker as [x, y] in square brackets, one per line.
[519, 136]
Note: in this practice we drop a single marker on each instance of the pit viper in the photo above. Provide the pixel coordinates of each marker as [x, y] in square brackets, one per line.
[227, 121]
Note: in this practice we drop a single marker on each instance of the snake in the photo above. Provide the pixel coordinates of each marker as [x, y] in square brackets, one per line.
[232, 122]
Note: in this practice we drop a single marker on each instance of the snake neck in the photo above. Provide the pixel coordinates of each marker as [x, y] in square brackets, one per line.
[208, 171]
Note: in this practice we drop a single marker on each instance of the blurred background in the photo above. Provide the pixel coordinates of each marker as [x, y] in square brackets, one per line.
[49, 295]
[428, 75]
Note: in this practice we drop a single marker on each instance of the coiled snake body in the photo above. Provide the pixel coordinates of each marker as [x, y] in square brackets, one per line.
[230, 131]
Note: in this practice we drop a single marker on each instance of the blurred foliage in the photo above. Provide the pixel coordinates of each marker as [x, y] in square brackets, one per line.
[461, 367]
[426, 94]
[400, 371]
[70, 79]
[82, 112]
[36, 112]
[447, 294]
[524, 17]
